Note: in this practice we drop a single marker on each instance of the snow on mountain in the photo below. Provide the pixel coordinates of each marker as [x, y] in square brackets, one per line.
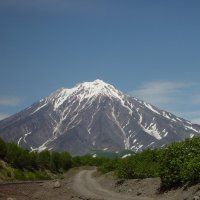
[94, 116]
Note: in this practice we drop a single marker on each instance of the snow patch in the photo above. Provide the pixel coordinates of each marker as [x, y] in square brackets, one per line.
[26, 136]
[44, 145]
[127, 155]
[140, 146]
[19, 141]
[165, 134]
[126, 124]
[179, 119]
[166, 115]
[174, 120]
[151, 108]
[191, 128]
[150, 144]
[126, 140]
[152, 130]
[134, 141]
[23, 138]
[89, 126]
[140, 118]
[39, 108]
[191, 135]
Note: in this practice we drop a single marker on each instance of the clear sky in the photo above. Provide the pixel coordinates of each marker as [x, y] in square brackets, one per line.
[146, 48]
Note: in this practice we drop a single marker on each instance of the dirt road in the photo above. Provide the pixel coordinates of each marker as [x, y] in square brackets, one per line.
[80, 184]
[86, 185]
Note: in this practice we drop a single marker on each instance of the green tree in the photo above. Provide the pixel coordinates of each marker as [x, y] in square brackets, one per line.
[13, 153]
[66, 160]
[107, 165]
[33, 160]
[139, 165]
[191, 170]
[43, 160]
[3, 149]
[55, 162]
[23, 160]
[76, 161]
[180, 163]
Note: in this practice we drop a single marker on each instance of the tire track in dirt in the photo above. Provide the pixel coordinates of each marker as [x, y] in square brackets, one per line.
[85, 185]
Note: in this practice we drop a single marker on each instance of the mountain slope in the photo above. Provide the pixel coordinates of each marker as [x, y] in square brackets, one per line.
[94, 116]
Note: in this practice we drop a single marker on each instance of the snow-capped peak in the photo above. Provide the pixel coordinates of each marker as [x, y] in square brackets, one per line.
[97, 87]
[86, 90]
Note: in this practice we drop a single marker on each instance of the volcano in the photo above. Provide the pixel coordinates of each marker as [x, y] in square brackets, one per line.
[94, 116]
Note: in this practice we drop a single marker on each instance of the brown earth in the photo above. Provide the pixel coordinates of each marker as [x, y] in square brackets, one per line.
[86, 185]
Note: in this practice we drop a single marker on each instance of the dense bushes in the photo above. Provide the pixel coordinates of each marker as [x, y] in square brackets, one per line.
[108, 165]
[32, 165]
[24, 160]
[61, 160]
[3, 149]
[140, 165]
[30, 175]
[176, 164]
[180, 163]
[87, 160]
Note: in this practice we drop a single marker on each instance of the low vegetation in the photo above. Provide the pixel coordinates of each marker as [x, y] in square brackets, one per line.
[180, 163]
[176, 164]
[28, 165]
[140, 165]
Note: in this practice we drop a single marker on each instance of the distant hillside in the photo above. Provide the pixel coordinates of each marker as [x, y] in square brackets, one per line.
[108, 154]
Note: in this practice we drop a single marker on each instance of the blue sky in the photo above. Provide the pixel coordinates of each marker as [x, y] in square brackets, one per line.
[149, 49]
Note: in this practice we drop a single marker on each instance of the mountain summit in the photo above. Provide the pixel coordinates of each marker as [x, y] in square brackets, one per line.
[94, 116]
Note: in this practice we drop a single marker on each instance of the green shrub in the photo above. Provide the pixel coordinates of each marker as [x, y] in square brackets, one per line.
[9, 174]
[65, 161]
[43, 160]
[140, 165]
[191, 170]
[3, 149]
[125, 168]
[41, 175]
[180, 163]
[19, 175]
[107, 165]
[28, 175]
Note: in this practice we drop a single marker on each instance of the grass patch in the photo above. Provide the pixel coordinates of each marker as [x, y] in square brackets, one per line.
[33, 176]
[6, 172]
